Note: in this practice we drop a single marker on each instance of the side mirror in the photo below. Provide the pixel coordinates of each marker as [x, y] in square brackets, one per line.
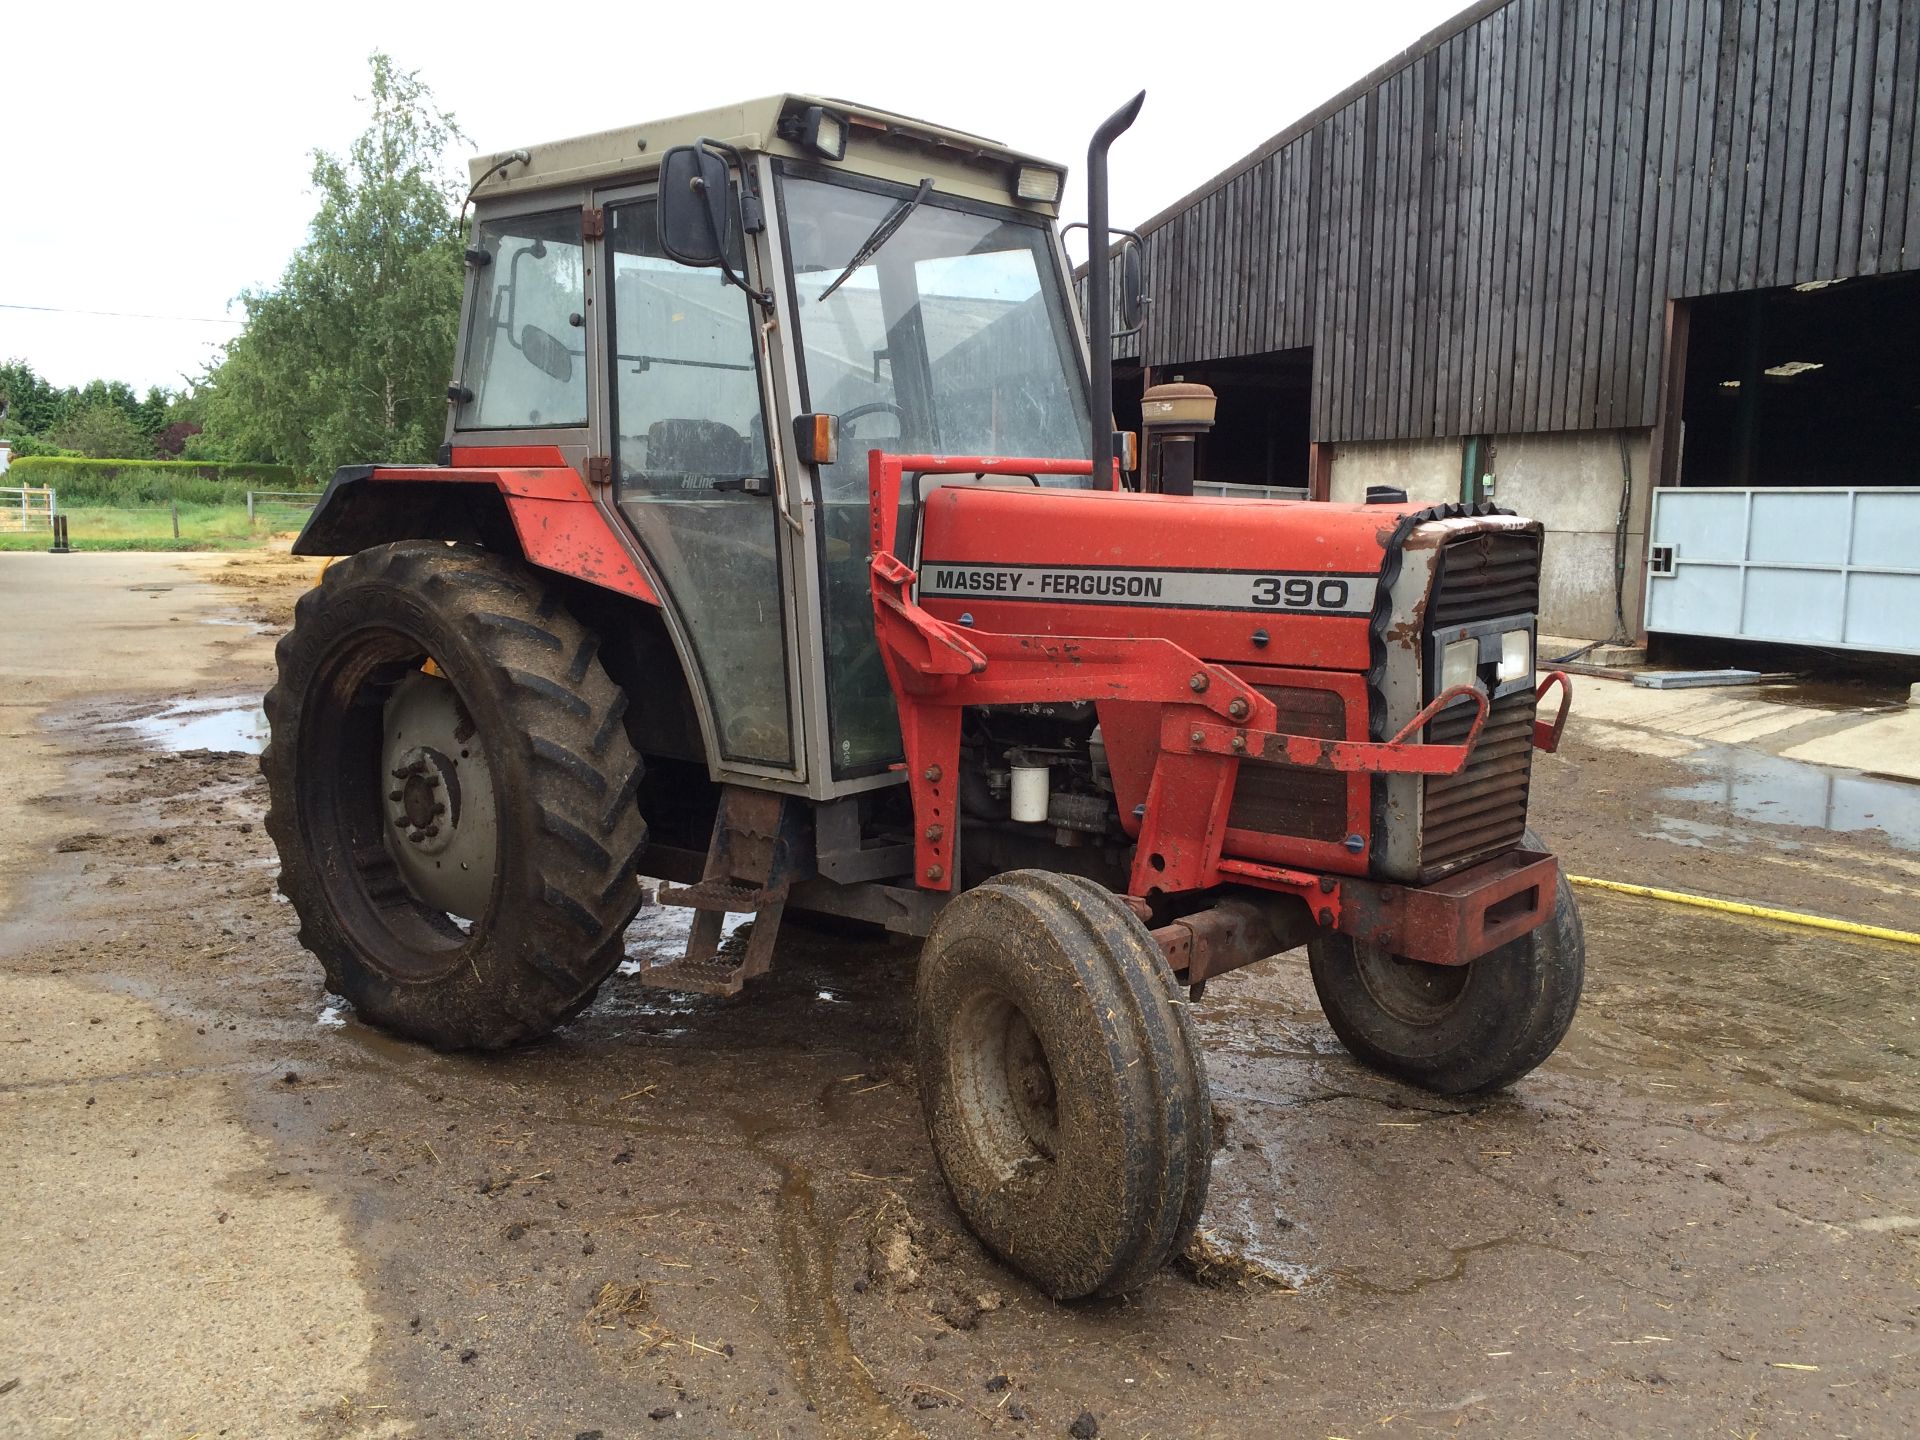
[547, 354]
[1133, 286]
[693, 205]
[1132, 300]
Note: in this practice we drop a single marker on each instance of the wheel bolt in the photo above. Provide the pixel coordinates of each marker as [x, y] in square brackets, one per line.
[438, 808]
[402, 773]
[431, 831]
[396, 795]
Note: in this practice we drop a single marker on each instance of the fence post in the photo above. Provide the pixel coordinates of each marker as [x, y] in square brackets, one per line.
[249, 509]
[176, 520]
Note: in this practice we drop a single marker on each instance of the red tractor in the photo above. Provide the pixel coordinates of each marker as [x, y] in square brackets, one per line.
[776, 551]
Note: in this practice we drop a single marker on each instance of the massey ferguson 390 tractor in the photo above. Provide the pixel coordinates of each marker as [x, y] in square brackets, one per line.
[777, 551]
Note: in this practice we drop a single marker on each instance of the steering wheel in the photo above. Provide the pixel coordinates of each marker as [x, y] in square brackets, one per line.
[874, 407]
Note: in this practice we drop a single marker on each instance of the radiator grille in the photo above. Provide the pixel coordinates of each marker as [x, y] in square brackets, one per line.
[1486, 577]
[1482, 810]
[1286, 799]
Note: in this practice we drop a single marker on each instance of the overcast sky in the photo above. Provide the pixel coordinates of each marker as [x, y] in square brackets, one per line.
[160, 155]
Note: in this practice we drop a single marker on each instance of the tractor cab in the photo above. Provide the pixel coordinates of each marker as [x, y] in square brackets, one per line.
[661, 305]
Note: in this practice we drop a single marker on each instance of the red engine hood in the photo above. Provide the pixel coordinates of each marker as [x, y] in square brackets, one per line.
[1258, 581]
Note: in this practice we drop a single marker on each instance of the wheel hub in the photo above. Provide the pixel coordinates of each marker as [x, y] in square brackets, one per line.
[439, 797]
[425, 805]
[1030, 1086]
[1006, 1084]
[1410, 991]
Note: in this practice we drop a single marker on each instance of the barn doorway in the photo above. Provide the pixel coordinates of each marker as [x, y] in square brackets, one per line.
[1796, 517]
[1260, 430]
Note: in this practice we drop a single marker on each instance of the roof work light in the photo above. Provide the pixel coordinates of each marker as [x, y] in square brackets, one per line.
[1038, 182]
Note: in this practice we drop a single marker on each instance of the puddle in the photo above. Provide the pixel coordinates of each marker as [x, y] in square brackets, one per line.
[1246, 1228]
[1701, 835]
[225, 723]
[1837, 696]
[252, 627]
[333, 1013]
[1747, 785]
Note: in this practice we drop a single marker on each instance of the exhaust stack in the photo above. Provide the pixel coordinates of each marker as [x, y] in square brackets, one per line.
[1100, 289]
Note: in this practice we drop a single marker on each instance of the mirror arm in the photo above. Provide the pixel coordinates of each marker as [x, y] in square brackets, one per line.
[747, 210]
[1142, 299]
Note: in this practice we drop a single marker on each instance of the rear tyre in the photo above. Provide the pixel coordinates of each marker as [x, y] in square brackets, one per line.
[1063, 1088]
[1456, 1029]
[459, 840]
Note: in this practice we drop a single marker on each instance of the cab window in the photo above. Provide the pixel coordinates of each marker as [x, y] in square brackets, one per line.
[525, 361]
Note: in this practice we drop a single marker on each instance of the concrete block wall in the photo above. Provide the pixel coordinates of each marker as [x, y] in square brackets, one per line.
[1428, 470]
[1571, 482]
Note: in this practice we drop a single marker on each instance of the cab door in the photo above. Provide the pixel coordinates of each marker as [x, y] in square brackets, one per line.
[693, 474]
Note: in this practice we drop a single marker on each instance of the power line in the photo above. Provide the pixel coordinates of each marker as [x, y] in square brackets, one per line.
[123, 314]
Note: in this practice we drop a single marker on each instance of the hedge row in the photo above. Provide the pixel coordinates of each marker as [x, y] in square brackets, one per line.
[57, 469]
[84, 483]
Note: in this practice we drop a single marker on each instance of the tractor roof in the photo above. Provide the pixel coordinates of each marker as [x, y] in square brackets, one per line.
[879, 142]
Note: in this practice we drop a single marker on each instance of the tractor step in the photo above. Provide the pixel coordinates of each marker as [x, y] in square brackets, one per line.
[713, 964]
[724, 896]
[717, 975]
[750, 867]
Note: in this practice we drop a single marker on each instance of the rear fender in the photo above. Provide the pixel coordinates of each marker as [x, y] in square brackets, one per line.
[543, 512]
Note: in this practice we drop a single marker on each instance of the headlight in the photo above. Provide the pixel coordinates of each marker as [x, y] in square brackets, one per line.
[1460, 663]
[1516, 655]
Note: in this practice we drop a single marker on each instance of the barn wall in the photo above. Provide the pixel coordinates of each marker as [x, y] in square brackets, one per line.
[1481, 238]
[1572, 483]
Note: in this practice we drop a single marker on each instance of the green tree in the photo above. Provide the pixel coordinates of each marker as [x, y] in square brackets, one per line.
[103, 432]
[347, 357]
[151, 413]
[28, 404]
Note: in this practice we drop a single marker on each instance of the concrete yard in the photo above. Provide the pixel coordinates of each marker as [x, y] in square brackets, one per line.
[230, 1209]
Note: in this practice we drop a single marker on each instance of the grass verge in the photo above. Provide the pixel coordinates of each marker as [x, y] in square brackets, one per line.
[202, 527]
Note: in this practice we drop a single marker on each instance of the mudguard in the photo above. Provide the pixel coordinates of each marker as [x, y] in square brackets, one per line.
[554, 517]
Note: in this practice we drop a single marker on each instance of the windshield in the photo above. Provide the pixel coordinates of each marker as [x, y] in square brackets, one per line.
[952, 337]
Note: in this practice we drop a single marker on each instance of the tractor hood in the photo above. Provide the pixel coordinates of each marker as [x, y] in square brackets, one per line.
[1254, 582]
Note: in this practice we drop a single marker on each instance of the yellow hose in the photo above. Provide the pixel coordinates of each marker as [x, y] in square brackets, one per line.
[1758, 912]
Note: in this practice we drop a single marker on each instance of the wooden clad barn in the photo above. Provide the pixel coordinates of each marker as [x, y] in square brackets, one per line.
[1567, 253]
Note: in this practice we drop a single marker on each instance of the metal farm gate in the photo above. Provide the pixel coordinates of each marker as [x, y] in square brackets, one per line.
[1818, 566]
[27, 508]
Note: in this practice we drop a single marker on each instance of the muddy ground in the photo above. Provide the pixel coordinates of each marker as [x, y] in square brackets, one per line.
[229, 1209]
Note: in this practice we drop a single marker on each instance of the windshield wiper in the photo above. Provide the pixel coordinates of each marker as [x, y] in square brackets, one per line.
[882, 233]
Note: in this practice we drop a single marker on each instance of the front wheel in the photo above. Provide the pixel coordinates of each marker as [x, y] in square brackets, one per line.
[1063, 1085]
[1455, 1029]
[451, 790]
